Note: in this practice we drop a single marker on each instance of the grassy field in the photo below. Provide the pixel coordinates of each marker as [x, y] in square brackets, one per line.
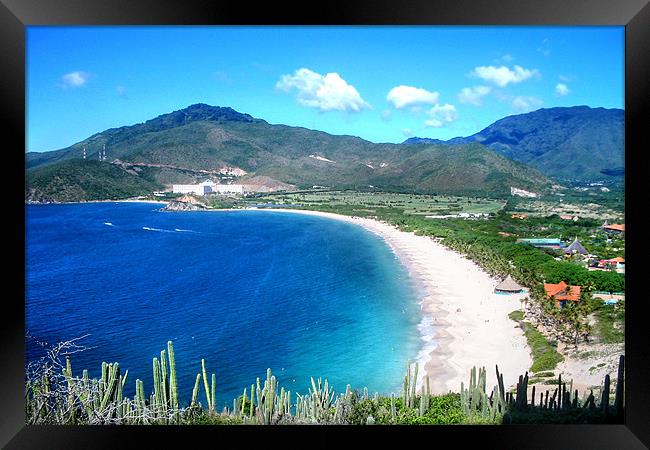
[583, 207]
[541, 222]
[409, 203]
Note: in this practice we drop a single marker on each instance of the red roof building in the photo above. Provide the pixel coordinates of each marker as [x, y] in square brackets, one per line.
[615, 227]
[615, 263]
[616, 260]
[561, 294]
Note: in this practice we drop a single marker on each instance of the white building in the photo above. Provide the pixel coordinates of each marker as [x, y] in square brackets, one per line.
[229, 188]
[207, 187]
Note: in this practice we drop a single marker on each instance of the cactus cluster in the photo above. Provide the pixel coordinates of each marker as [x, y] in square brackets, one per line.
[475, 401]
[62, 398]
[101, 401]
[316, 407]
[267, 404]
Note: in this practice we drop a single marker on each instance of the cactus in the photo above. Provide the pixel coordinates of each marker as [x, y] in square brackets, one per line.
[407, 384]
[205, 384]
[163, 384]
[173, 391]
[415, 380]
[157, 385]
[604, 402]
[113, 374]
[195, 391]
[138, 404]
[620, 383]
[250, 413]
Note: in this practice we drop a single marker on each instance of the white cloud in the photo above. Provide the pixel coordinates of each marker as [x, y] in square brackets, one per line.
[526, 104]
[562, 89]
[121, 91]
[386, 115]
[74, 79]
[441, 115]
[502, 75]
[402, 96]
[473, 95]
[329, 92]
[407, 132]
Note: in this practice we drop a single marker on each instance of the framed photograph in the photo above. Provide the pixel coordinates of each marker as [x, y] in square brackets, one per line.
[404, 218]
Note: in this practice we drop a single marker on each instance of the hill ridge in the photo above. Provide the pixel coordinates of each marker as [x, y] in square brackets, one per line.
[568, 143]
[206, 138]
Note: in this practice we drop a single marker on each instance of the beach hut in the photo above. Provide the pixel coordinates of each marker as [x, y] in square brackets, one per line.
[508, 286]
[575, 247]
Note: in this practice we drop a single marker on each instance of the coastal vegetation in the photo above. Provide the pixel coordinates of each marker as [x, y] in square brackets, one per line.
[610, 322]
[544, 354]
[54, 394]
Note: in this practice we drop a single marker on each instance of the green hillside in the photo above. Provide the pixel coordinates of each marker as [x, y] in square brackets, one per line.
[203, 137]
[84, 180]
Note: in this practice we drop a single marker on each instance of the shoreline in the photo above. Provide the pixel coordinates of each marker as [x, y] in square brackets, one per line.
[99, 201]
[464, 323]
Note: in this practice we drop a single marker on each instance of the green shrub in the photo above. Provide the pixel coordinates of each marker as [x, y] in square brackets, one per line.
[443, 410]
[516, 315]
[545, 356]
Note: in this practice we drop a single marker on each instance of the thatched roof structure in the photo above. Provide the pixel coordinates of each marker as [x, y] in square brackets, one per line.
[508, 286]
[576, 247]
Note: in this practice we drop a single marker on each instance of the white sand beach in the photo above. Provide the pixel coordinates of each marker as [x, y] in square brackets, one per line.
[465, 323]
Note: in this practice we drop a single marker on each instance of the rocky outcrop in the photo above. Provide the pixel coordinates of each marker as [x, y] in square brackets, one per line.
[35, 197]
[183, 206]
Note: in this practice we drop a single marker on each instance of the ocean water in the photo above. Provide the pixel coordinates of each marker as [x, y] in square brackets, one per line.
[246, 290]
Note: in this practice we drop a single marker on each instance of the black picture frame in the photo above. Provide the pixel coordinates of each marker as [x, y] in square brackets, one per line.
[15, 15]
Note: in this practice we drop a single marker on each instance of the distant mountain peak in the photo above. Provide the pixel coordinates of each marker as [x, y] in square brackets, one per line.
[574, 142]
[203, 111]
[418, 140]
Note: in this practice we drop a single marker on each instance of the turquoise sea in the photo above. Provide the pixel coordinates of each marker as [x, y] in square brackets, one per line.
[246, 290]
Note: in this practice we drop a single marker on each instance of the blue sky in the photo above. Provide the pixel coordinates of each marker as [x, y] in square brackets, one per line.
[383, 84]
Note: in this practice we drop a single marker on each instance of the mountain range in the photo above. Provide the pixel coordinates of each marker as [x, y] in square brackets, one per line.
[576, 143]
[201, 141]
